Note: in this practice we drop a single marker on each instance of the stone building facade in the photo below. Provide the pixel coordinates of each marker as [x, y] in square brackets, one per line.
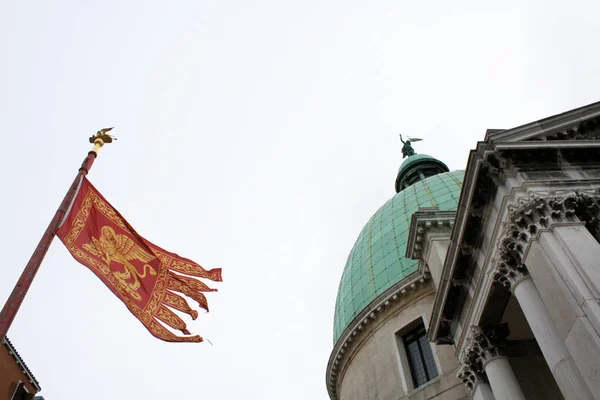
[496, 281]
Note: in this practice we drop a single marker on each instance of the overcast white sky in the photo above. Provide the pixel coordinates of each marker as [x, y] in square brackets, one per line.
[256, 136]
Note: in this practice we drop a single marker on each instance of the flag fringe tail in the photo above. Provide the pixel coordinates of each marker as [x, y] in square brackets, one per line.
[177, 285]
[178, 303]
[189, 267]
[163, 333]
[170, 318]
[193, 284]
[190, 287]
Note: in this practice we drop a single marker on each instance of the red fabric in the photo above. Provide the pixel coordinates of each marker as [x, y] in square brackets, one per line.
[140, 273]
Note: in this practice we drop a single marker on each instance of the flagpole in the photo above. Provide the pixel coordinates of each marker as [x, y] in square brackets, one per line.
[9, 311]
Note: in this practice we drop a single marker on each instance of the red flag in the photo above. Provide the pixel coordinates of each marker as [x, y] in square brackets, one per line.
[148, 279]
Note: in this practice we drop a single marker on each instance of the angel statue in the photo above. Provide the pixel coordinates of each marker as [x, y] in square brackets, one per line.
[407, 149]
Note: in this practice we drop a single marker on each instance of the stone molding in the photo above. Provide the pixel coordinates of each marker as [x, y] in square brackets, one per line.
[500, 161]
[548, 129]
[357, 331]
[424, 223]
[533, 214]
[483, 345]
[586, 130]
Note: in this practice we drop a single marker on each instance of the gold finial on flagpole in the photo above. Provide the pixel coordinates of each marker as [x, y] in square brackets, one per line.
[100, 138]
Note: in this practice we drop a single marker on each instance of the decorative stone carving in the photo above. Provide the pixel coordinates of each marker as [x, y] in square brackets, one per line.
[470, 375]
[509, 272]
[482, 345]
[498, 168]
[586, 130]
[488, 342]
[588, 210]
[534, 213]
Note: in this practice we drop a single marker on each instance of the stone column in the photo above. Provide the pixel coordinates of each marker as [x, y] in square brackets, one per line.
[483, 391]
[575, 254]
[502, 379]
[483, 355]
[489, 348]
[561, 364]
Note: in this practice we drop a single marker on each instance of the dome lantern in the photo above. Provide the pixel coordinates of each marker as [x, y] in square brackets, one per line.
[418, 167]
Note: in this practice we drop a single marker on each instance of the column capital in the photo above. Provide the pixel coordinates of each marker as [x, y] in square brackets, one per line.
[541, 210]
[483, 344]
[471, 375]
[509, 271]
[536, 212]
[488, 342]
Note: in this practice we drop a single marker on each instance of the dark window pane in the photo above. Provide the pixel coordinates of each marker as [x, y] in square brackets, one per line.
[428, 358]
[420, 356]
[416, 363]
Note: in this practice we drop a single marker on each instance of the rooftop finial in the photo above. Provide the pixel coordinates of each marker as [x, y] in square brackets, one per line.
[407, 149]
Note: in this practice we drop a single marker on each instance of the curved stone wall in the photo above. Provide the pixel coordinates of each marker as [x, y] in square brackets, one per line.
[375, 369]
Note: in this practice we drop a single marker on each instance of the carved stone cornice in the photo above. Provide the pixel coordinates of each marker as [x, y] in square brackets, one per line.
[556, 127]
[586, 130]
[370, 318]
[483, 344]
[479, 187]
[425, 223]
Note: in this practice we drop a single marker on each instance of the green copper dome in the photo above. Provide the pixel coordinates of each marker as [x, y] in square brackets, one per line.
[377, 261]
